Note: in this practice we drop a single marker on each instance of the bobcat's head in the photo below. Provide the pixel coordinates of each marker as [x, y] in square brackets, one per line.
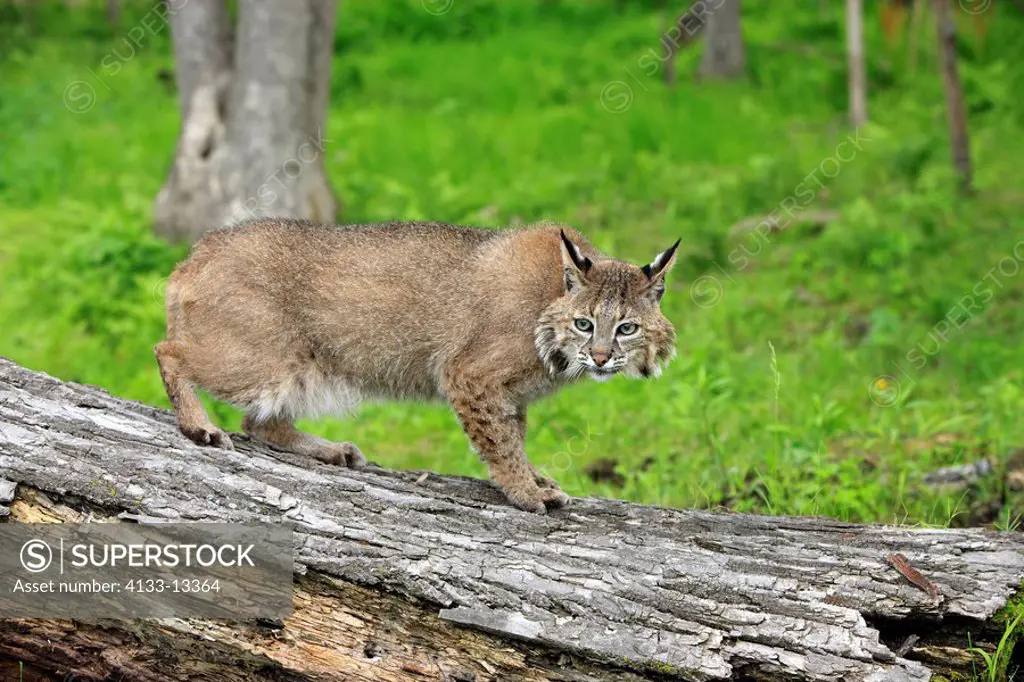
[609, 319]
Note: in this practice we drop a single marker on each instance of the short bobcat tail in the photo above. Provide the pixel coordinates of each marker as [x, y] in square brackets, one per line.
[172, 302]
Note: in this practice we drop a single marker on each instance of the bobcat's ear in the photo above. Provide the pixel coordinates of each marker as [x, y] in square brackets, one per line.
[574, 264]
[656, 269]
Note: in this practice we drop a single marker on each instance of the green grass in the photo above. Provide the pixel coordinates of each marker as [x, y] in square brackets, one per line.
[491, 114]
[997, 664]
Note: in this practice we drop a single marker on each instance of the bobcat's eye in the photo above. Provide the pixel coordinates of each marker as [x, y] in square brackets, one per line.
[583, 324]
[628, 328]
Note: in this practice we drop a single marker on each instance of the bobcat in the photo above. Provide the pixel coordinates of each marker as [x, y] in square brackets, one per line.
[288, 318]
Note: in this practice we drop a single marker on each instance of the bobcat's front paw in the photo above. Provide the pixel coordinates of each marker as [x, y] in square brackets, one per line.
[536, 500]
[554, 498]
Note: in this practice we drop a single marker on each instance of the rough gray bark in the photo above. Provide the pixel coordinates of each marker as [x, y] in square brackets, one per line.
[660, 593]
[858, 81]
[958, 139]
[202, 55]
[252, 139]
[725, 56]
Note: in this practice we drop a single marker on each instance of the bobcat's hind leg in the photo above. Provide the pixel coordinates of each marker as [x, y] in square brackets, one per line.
[281, 432]
[192, 418]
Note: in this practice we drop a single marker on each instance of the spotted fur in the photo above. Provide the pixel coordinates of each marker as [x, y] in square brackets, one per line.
[289, 319]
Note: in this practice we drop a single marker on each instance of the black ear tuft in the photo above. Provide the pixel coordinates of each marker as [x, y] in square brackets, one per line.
[582, 263]
[661, 262]
[656, 270]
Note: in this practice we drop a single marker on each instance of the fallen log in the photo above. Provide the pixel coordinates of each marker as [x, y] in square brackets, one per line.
[402, 577]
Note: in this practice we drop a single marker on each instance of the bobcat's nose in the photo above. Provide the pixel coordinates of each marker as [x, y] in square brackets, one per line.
[600, 357]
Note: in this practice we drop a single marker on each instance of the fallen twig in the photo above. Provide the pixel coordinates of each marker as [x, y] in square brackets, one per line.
[902, 564]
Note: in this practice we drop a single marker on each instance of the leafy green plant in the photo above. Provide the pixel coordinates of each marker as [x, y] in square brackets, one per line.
[997, 661]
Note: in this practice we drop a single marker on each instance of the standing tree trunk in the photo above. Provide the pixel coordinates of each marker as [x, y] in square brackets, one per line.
[954, 94]
[857, 71]
[725, 56]
[681, 33]
[252, 139]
